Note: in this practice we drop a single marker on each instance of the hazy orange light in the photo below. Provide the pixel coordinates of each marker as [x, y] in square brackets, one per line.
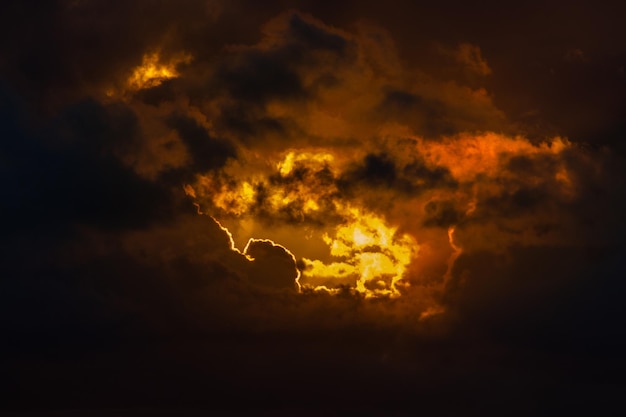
[456, 252]
[469, 155]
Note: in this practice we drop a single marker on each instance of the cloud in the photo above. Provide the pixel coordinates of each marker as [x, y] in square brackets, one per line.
[403, 231]
[470, 56]
[339, 125]
[206, 152]
[265, 132]
[273, 265]
[381, 171]
[72, 173]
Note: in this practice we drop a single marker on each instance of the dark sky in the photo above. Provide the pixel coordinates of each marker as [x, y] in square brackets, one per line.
[304, 207]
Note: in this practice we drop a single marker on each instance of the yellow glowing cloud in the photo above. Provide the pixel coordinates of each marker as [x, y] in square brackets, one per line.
[367, 249]
[365, 253]
[300, 197]
[316, 159]
[153, 70]
[234, 199]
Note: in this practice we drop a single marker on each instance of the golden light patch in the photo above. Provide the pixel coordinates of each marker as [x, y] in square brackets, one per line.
[238, 200]
[301, 196]
[153, 70]
[367, 250]
[317, 159]
[235, 200]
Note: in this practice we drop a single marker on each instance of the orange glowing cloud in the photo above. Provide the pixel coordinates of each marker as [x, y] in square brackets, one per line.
[311, 187]
[344, 160]
[468, 155]
[153, 70]
[369, 253]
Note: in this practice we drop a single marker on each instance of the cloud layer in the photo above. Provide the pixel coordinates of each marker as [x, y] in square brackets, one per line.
[294, 211]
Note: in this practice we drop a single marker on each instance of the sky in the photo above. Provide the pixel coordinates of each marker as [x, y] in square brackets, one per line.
[302, 208]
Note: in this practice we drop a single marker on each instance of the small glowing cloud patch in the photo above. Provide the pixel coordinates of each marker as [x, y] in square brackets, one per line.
[153, 70]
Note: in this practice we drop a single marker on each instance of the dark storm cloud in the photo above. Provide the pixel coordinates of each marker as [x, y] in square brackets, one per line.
[433, 115]
[583, 206]
[532, 188]
[70, 173]
[249, 124]
[167, 91]
[272, 267]
[441, 214]
[533, 78]
[208, 153]
[115, 293]
[173, 278]
[558, 298]
[97, 255]
[259, 76]
[377, 169]
[248, 78]
[273, 70]
[302, 65]
[383, 171]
